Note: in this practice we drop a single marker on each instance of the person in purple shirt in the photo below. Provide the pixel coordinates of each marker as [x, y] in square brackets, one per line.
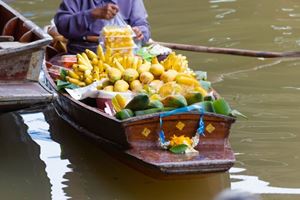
[78, 20]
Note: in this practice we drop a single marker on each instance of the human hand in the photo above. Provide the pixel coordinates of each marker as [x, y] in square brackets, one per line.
[138, 33]
[107, 12]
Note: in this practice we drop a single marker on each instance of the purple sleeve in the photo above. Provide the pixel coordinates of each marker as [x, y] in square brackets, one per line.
[139, 17]
[71, 22]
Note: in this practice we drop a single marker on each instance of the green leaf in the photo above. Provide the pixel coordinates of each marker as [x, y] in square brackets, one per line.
[144, 53]
[178, 149]
[236, 113]
[63, 74]
[63, 84]
[221, 107]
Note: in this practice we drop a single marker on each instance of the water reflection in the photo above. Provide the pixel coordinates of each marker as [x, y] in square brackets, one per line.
[22, 172]
[50, 152]
[96, 175]
[255, 185]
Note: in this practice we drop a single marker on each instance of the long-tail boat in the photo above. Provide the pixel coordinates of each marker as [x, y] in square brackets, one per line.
[22, 47]
[135, 141]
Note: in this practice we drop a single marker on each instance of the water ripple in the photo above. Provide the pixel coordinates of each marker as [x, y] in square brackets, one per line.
[221, 1]
[255, 185]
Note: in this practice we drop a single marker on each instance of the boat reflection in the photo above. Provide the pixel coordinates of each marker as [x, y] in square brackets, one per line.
[96, 175]
[22, 171]
[50, 153]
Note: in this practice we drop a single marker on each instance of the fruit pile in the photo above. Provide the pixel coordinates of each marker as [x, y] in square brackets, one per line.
[169, 84]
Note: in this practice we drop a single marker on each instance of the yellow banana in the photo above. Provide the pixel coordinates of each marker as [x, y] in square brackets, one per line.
[135, 63]
[75, 81]
[95, 61]
[187, 81]
[91, 55]
[100, 53]
[88, 80]
[100, 66]
[82, 61]
[82, 68]
[96, 76]
[108, 54]
[72, 74]
[119, 66]
[140, 62]
[83, 54]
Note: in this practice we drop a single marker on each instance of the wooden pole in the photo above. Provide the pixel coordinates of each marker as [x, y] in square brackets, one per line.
[237, 52]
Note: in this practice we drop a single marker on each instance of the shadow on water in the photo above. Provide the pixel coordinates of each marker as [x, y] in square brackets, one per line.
[22, 172]
[96, 175]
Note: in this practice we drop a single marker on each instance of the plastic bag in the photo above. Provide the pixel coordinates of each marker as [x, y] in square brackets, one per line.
[118, 36]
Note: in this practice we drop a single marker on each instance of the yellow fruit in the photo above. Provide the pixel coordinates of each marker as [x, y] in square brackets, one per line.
[91, 55]
[201, 90]
[157, 69]
[187, 81]
[114, 74]
[121, 86]
[145, 67]
[156, 84]
[105, 82]
[118, 65]
[136, 86]
[109, 88]
[146, 77]
[130, 75]
[118, 102]
[170, 88]
[75, 81]
[155, 97]
[154, 61]
[72, 74]
[168, 76]
[100, 53]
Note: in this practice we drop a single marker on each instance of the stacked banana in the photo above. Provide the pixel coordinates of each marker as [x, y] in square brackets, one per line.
[92, 67]
[175, 62]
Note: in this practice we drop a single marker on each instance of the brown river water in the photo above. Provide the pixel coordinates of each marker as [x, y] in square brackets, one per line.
[42, 157]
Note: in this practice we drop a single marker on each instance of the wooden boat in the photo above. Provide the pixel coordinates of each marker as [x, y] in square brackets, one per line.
[135, 141]
[22, 45]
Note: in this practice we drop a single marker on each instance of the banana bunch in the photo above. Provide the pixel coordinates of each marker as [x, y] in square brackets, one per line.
[92, 66]
[175, 62]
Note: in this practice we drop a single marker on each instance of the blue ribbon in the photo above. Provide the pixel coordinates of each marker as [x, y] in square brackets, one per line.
[196, 107]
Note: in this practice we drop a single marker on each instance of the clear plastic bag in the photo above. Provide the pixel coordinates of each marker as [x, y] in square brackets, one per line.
[118, 36]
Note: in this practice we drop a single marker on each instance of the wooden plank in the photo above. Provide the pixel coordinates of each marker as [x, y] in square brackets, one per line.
[23, 92]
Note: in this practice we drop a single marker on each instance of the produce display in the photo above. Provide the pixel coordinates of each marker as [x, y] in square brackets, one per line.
[157, 86]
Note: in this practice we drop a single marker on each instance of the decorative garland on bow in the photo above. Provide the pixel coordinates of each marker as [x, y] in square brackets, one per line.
[200, 131]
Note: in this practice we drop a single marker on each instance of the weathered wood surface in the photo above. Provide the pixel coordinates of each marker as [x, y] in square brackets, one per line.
[22, 45]
[16, 95]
